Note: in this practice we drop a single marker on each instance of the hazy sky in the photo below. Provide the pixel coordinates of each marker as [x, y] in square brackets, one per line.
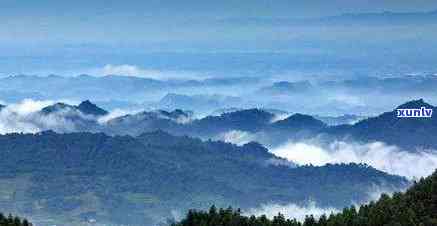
[58, 35]
[59, 21]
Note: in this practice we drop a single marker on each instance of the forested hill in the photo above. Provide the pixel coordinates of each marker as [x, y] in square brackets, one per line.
[80, 177]
[13, 221]
[407, 133]
[415, 207]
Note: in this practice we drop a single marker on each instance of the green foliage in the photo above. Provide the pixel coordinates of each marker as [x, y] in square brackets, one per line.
[416, 207]
[86, 176]
[13, 221]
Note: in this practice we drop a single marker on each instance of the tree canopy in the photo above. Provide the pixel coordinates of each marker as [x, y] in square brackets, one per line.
[416, 207]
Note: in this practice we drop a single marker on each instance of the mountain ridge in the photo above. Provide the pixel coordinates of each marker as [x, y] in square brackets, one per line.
[63, 172]
[409, 133]
[85, 107]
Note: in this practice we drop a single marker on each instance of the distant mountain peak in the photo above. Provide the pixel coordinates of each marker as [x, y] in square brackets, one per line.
[415, 104]
[175, 114]
[57, 107]
[84, 76]
[300, 121]
[86, 107]
[247, 112]
[89, 108]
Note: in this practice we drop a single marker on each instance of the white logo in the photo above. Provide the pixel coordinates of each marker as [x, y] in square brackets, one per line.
[414, 113]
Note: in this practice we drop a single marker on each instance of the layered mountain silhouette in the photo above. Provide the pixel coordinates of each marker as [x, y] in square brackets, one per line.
[89, 108]
[71, 178]
[246, 120]
[299, 122]
[409, 133]
[198, 103]
[85, 107]
[112, 88]
[287, 88]
[135, 124]
[141, 166]
[172, 94]
[340, 120]
[251, 120]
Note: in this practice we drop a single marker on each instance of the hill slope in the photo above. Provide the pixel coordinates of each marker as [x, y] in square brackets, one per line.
[417, 206]
[72, 178]
[408, 133]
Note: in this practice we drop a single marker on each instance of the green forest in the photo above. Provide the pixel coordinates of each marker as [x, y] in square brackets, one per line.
[416, 207]
[13, 221]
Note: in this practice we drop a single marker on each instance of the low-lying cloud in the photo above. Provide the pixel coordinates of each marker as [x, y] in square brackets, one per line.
[279, 117]
[19, 117]
[375, 192]
[299, 212]
[26, 117]
[136, 71]
[390, 159]
[237, 137]
[115, 114]
[291, 211]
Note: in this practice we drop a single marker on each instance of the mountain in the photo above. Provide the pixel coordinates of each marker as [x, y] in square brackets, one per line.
[295, 127]
[204, 96]
[221, 111]
[89, 108]
[363, 95]
[299, 122]
[85, 107]
[251, 120]
[386, 18]
[382, 18]
[420, 85]
[417, 206]
[62, 117]
[2, 106]
[136, 124]
[58, 107]
[287, 88]
[247, 120]
[340, 120]
[176, 114]
[409, 133]
[117, 88]
[390, 85]
[198, 103]
[70, 179]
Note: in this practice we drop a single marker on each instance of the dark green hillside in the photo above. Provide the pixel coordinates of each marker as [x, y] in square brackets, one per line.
[416, 207]
[409, 133]
[13, 221]
[251, 120]
[79, 177]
